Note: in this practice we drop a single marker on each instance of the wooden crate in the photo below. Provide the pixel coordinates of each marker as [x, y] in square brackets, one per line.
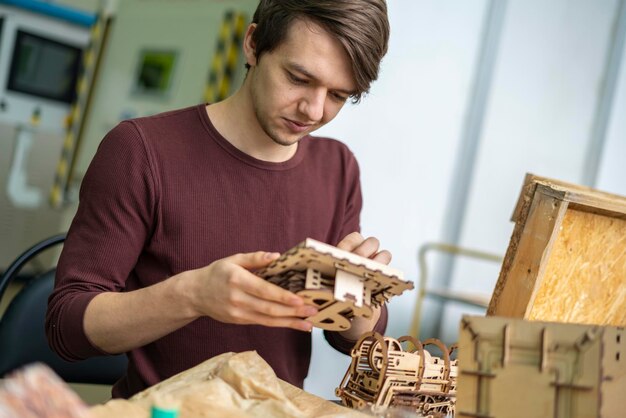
[516, 368]
[566, 260]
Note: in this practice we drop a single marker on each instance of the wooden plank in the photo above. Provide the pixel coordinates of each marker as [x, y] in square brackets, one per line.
[524, 261]
[581, 197]
[599, 203]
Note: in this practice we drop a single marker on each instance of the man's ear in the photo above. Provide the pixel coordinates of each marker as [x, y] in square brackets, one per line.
[249, 47]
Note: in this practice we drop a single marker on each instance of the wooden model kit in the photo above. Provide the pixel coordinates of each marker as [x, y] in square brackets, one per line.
[566, 260]
[340, 284]
[382, 374]
[515, 368]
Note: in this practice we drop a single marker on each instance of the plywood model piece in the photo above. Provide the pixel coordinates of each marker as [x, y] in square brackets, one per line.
[340, 284]
[514, 368]
[384, 374]
[566, 260]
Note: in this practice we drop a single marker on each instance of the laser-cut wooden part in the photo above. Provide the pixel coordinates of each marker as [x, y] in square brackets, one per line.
[340, 284]
[515, 368]
[566, 260]
[333, 315]
[349, 287]
[383, 374]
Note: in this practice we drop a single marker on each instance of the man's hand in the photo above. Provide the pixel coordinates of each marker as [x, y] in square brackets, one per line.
[227, 291]
[369, 247]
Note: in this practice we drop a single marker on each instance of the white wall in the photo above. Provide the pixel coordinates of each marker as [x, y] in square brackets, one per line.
[405, 135]
[612, 171]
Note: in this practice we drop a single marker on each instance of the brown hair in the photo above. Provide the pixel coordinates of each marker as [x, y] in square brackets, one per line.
[361, 26]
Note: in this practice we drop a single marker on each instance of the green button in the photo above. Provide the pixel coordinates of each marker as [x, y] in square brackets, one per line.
[164, 413]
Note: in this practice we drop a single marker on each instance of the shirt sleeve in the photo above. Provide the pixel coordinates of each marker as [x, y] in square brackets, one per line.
[113, 221]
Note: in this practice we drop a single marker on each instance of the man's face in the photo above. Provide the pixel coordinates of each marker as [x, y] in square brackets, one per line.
[301, 85]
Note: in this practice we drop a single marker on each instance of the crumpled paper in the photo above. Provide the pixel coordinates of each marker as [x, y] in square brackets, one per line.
[239, 385]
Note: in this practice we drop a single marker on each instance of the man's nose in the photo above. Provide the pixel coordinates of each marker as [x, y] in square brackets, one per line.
[312, 105]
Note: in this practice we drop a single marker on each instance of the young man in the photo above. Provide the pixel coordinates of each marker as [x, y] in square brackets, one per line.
[148, 265]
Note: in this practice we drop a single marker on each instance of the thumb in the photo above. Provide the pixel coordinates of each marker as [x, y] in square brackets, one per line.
[255, 260]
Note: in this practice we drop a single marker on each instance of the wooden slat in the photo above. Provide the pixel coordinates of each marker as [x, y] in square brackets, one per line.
[523, 263]
[580, 197]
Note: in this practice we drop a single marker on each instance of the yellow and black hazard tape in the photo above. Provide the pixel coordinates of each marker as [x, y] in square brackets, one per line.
[226, 57]
[75, 118]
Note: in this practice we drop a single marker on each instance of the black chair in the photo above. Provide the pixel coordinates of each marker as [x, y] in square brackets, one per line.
[22, 334]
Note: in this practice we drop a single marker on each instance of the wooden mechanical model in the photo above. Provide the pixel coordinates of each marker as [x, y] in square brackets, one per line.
[340, 284]
[383, 375]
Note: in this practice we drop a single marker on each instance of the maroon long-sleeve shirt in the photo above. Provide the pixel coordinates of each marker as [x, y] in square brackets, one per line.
[166, 194]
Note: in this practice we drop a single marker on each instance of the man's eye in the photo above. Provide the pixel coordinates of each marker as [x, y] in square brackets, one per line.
[338, 97]
[295, 79]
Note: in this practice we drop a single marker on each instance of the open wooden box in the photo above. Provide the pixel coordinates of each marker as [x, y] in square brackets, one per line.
[566, 260]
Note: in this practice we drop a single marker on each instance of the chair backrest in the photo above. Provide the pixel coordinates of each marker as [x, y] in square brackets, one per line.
[22, 333]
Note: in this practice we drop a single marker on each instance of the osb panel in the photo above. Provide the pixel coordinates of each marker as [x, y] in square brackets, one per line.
[585, 279]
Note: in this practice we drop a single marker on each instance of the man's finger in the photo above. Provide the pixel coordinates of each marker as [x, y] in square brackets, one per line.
[254, 260]
[294, 323]
[351, 241]
[298, 324]
[383, 257]
[263, 289]
[274, 309]
[367, 248]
